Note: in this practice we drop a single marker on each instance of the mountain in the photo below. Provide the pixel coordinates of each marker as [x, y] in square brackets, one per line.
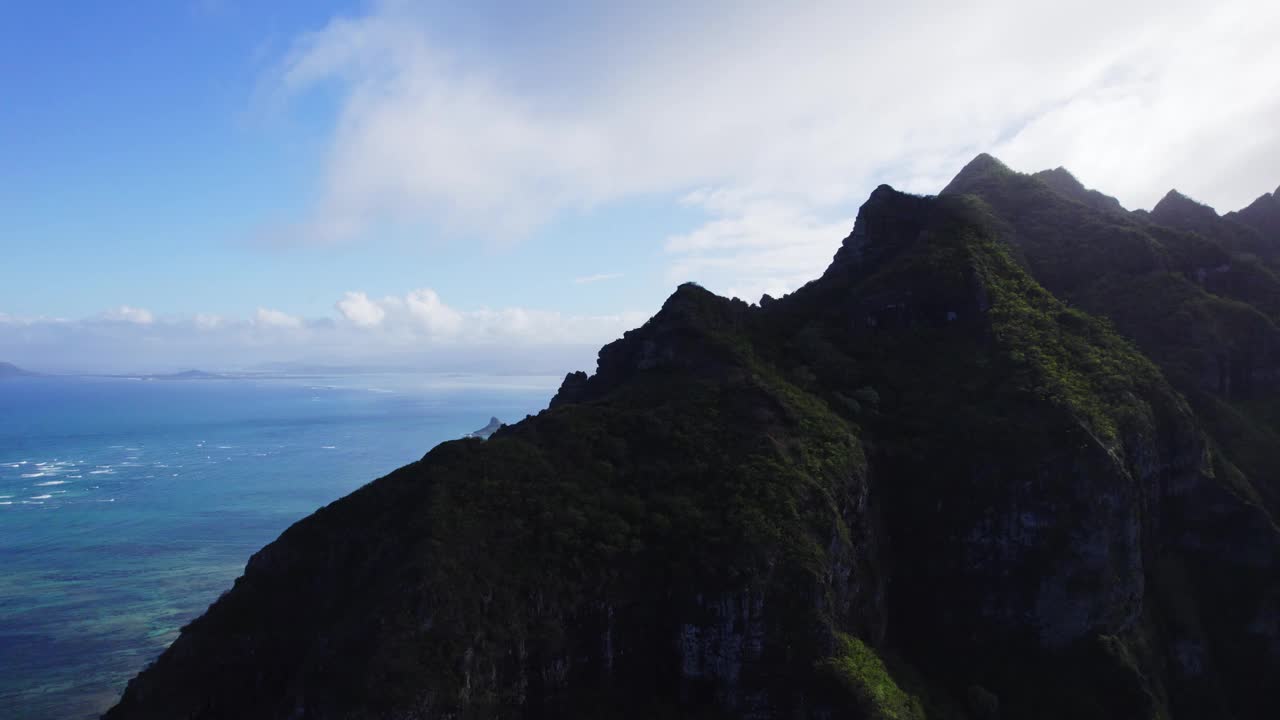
[10, 370]
[484, 432]
[1008, 457]
[1262, 214]
[1066, 184]
[187, 375]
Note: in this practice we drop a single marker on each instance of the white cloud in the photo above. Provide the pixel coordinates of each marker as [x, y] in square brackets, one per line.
[432, 314]
[802, 109]
[422, 316]
[357, 308]
[417, 329]
[753, 246]
[127, 314]
[265, 317]
[598, 277]
[208, 321]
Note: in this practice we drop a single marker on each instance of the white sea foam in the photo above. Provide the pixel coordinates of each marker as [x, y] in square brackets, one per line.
[108, 471]
[6, 502]
[328, 447]
[34, 475]
[77, 477]
[225, 447]
[41, 497]
[51, 482]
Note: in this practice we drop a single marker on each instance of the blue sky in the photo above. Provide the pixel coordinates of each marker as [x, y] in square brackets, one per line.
[136, 143]
[227, 182]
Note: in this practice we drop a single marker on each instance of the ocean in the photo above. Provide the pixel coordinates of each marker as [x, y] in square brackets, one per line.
[128, 505]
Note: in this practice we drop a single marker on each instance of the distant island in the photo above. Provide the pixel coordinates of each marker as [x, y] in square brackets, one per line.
[484, 432]
[181, 375]
[188, 375]
[8, 370]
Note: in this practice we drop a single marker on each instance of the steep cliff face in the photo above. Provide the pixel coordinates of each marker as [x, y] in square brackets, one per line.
[920, 486]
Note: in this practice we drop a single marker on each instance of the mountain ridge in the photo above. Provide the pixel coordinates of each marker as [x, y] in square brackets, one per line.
[954, 476]
[11, 370]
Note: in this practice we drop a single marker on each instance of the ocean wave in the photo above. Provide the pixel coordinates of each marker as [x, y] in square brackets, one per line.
[34, 475]
[328, 447]
[41, 497]
[108, 471]
[6, 502]
[51, 482]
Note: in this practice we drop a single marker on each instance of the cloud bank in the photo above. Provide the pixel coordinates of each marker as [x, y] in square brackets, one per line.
[776, 120]
[417, 330]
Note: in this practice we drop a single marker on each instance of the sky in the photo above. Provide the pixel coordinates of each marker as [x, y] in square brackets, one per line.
[223, 184]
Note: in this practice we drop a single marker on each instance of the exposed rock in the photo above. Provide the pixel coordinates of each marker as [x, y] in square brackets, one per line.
[483, 433]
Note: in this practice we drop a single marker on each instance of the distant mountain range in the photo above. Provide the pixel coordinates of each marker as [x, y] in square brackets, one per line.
[10, 370]
[1015, 454]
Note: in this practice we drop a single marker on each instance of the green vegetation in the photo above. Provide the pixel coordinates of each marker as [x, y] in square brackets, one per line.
[862, 674]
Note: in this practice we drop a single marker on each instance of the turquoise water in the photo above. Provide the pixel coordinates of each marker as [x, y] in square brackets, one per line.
[127, 506]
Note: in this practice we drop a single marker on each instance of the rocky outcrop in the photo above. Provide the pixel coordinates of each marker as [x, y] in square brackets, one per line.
[483, 433]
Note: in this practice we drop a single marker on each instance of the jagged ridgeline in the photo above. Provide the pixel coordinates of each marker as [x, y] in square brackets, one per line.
[1012, 456]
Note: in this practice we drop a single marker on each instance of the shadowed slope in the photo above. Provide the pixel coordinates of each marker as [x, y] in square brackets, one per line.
[920, 486]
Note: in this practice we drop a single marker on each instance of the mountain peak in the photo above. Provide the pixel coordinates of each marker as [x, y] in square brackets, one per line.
[1177, 210]
[1262, 214]
[983, 162]
[1061, 175]
[977, 172]
[888, 219]
[984, 165]
[1061, 181]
